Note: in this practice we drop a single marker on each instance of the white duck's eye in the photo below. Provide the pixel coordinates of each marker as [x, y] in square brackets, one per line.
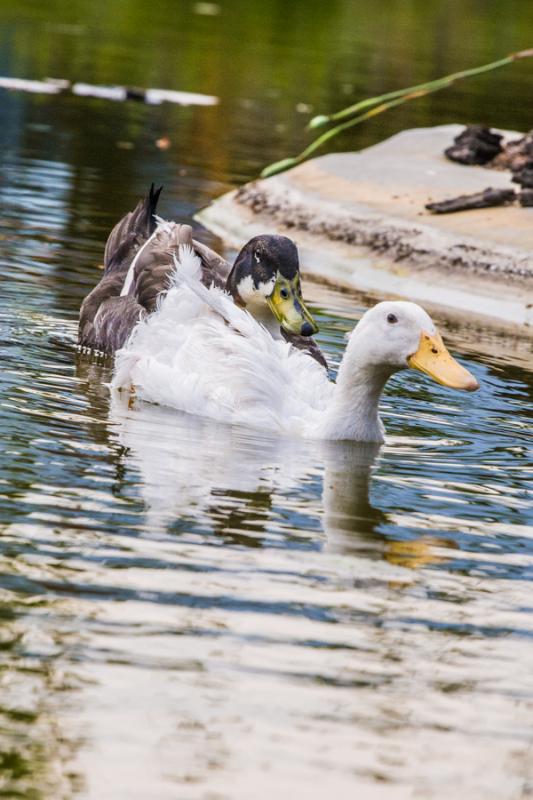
[284, 293]
[392, 318]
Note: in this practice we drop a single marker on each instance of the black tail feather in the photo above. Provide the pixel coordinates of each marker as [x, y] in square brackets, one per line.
[151, 207]
[128, 234]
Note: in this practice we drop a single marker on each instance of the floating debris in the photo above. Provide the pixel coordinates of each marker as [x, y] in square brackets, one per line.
[163, 143]
[526, 197]
[206, 9]
[524, 176]
[475, 145]
[104, 92]
[157, 96]
[466, 202]
[116, 93]
[478, 145]
[23, 85]
[515, 155]
[150, 96]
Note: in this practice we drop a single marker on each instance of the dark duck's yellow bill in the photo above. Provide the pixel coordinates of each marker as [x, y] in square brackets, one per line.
[287, 305]
[433, 358]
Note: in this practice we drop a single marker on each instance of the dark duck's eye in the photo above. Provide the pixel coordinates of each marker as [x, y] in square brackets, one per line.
[284, 293]
[392, 318]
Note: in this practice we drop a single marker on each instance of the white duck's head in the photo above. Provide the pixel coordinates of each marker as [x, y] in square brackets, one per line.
[396, 335]
[390, 337]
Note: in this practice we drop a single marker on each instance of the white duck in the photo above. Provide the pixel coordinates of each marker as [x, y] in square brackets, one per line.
[202, 354]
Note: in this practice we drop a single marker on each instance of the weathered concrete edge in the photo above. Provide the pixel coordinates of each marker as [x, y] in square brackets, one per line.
[415, 261]
[399, 239]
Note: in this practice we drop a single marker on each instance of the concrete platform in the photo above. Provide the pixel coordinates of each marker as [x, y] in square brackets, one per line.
[360, 223]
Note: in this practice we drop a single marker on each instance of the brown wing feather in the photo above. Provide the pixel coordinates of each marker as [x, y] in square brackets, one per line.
[114, 322]
[306, 343]
[106, 319]
[156, 263]
[215, 269]
[131, 232]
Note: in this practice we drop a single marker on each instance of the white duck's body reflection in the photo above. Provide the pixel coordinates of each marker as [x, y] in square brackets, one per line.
[228, 478]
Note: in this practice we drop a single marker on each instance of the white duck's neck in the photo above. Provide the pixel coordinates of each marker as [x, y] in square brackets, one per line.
[354, 409]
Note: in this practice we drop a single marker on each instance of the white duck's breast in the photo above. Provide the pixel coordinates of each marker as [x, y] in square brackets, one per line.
[188, 357]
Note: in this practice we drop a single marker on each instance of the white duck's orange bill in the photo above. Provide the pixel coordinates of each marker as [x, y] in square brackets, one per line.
[433, 359]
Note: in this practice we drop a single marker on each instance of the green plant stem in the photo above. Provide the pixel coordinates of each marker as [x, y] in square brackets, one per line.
[372, 101]
[383, 103]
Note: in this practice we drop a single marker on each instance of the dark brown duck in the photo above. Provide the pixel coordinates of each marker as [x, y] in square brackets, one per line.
[139, 258]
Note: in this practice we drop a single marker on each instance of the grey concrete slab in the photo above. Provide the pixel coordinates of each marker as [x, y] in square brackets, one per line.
[360, 222]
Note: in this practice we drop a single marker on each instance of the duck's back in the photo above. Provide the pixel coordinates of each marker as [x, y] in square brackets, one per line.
[107, 319]
[149, 276]
[138, 260]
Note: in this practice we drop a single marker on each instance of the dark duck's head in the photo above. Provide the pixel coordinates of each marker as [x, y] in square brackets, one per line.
[265, 279]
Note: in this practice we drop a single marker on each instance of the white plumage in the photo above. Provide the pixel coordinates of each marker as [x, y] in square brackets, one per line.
[202, 354]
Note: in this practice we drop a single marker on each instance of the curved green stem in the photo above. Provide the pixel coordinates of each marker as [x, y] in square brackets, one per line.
[377, 105]
[324, 119]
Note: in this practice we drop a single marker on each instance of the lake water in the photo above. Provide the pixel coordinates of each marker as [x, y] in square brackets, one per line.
[190, 611]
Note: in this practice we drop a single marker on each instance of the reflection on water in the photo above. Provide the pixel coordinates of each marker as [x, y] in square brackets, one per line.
[196, 587]
[189, 610]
